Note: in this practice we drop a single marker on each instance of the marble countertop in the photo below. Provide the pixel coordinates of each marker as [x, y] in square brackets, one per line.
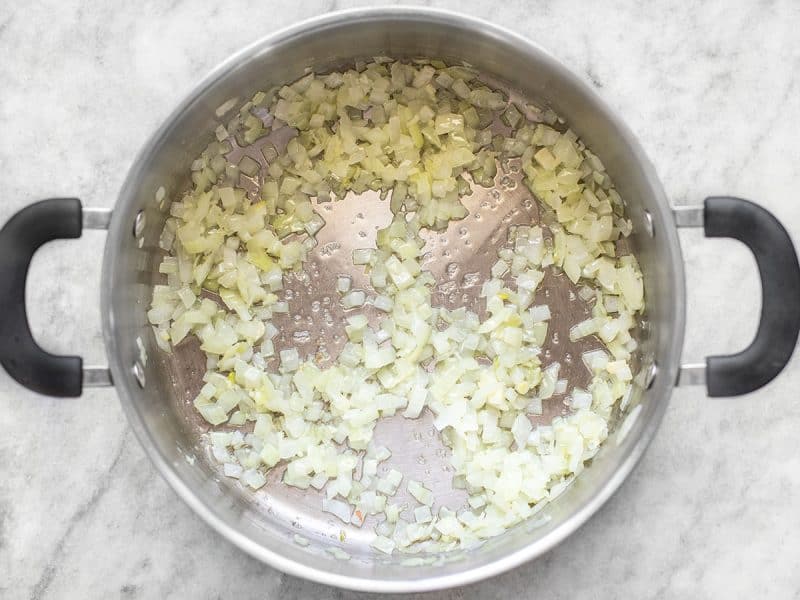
[712, 92]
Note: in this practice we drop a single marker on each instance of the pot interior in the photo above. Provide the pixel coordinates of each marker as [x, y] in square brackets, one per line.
[266, 523]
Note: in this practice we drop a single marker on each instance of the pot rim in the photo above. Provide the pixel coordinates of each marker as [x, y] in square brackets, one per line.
[123, 377]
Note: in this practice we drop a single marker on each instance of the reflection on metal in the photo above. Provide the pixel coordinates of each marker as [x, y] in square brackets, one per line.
[138, 224]
[138, 373]
[648, 224]
[692, 374]
[650, 377]
[96, 218]
[688, 216]
[94, 377]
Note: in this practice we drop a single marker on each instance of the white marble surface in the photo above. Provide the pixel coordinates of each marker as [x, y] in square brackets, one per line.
[711, 89]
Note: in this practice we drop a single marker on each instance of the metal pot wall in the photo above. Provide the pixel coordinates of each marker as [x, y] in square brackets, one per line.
[153, 391]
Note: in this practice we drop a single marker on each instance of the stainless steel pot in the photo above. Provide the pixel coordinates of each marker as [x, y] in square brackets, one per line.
[155, 392]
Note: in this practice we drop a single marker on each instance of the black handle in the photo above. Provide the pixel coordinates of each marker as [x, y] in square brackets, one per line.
[767, 355]
[20, 355]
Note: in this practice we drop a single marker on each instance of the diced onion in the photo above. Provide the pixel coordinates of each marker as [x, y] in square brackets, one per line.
[383, 544]
[290, 359]
[422, 514]
[343, 284]
[383, 303]
[422, 494]
[253, 478]
[353, 299]
[540, 313]
[362, 256]
[338, 508]
[580, 399]
[420, 131]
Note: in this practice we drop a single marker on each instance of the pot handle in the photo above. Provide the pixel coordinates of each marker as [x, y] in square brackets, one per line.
[20, 355]
[767, 239]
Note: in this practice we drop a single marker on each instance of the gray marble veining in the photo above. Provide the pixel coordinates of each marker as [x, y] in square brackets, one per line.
[711, 88]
